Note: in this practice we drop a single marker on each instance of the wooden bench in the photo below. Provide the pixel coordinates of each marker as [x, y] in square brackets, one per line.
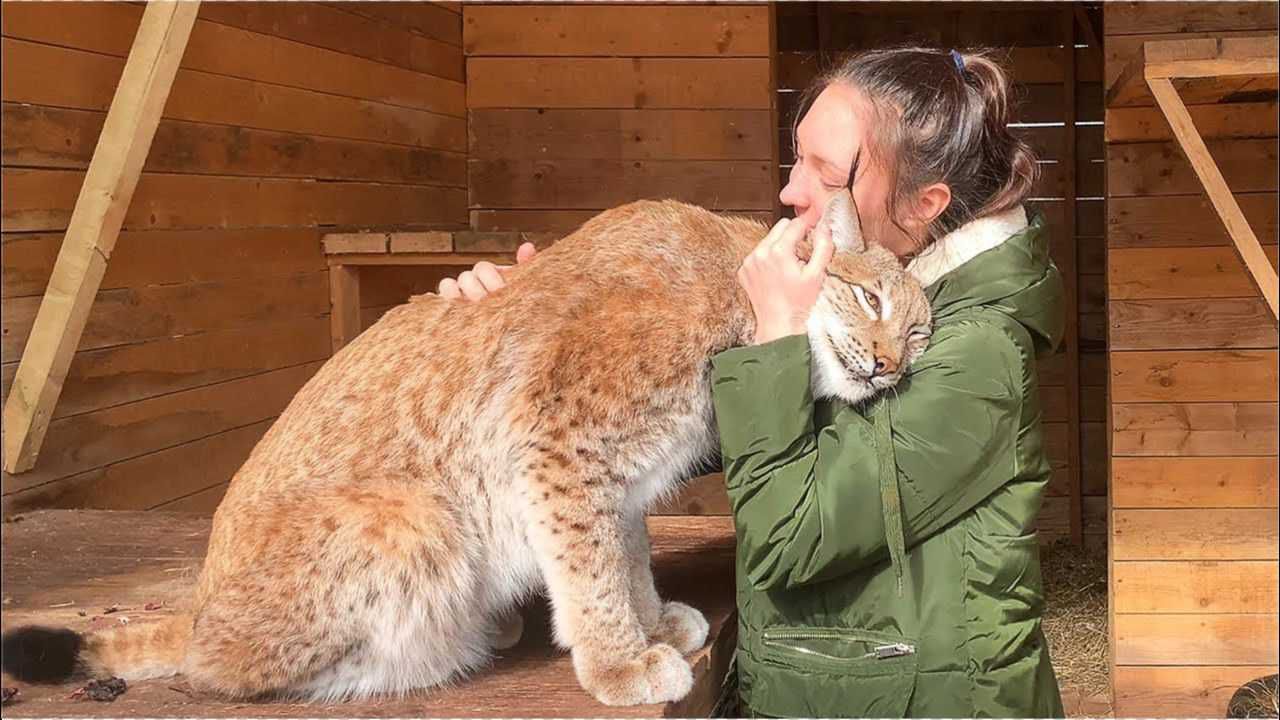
[348, 252]
[64, 568]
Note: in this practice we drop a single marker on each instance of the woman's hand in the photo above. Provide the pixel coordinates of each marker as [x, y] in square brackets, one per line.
[781, 288]
[484, 278]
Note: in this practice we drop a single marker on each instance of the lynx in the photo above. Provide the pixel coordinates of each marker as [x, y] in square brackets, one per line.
[457, 457]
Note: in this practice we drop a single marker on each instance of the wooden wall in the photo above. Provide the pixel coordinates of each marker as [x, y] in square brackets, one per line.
[577, 108]
[1028, 39]
[1193, 384]
[286, 121]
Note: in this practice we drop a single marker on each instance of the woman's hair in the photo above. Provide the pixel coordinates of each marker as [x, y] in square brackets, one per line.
[939, 117]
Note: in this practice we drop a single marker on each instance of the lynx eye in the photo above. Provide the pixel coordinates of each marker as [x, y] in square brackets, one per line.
[869, 301]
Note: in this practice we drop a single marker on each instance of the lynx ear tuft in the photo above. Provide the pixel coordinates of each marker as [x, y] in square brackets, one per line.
[840, 220]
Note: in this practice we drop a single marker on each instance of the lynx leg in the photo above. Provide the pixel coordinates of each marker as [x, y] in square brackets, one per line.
[580, 545]
[673, 623]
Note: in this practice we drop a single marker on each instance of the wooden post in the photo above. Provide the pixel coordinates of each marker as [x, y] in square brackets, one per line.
[1242, 236]
[344, 304]
[1071, 279]
[95, 223]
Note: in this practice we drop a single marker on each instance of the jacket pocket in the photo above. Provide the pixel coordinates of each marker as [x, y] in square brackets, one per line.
[822, 671]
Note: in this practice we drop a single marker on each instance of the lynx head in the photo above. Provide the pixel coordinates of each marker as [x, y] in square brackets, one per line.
[872, 318]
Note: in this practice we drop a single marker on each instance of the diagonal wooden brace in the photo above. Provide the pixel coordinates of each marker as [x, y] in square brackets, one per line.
[1243, 237]
[95, 223]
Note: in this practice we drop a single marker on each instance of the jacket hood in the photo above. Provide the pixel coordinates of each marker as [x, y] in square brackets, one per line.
[1001, 262]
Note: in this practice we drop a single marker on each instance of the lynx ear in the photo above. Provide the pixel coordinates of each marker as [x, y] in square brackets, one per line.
[840, 220]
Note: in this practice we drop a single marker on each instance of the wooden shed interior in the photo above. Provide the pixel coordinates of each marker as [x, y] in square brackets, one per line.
[316, 163]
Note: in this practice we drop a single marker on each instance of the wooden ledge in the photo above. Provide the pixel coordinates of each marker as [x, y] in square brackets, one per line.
[441, 243]
[59, 563]
[1208, 70]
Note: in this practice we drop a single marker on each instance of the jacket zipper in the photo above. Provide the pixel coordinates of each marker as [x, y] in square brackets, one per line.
[879, 652]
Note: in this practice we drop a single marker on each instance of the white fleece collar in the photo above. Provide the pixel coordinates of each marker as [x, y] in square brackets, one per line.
[965, 243]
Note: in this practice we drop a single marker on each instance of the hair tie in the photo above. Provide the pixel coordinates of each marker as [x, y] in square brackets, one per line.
[959, 61]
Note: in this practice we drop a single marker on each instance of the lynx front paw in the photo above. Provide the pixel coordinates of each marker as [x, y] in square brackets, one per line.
[682, 627]
[657, 675]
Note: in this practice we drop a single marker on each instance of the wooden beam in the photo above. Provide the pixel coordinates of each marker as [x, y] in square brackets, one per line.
[1075, 521]
[1242, 235]
[344, 304]
[95, 222]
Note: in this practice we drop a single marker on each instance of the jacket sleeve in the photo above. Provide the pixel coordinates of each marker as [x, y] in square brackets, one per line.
[806, 500]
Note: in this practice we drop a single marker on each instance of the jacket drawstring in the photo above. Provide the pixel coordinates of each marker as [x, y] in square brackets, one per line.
[890, 499]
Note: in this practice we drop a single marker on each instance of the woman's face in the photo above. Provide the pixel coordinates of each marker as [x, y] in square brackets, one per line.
[830, 135]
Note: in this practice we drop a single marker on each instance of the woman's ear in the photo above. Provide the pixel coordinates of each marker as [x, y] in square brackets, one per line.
[840, 221]
[932, 201]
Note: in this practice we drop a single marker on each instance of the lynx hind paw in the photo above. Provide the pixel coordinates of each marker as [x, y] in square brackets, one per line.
[508, 632]
[682, 627]
[657, 675]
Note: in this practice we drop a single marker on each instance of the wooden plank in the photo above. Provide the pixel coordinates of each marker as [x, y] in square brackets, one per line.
[83, 442]
[617, 30]
[41, 200]
[108, 28]
[388, 286]
[1201, 272]
[1119, 50]
[1191, 324]
[1184, 221]
[150, 480]
[1194, 482]
[703, 495]
[37, 136]
[344, 301]
[168, 257]
[128, 373]
[1194, 534]
[420, 242]
[1261, 270]
[527, 134]
[1148, 169]
[203, 502]
[82, 80]
[1024, 65]
[1131, 18]
[1194, 376]
[1196, 639]
[1195, 587]
[99, 213]
[1195, 429]
[578, 184]
[427, 19]
[130, 315]
[428, 259]
[695, 83]
[1215, 122]
[325, 25]
[361, 242]
[1180, 691]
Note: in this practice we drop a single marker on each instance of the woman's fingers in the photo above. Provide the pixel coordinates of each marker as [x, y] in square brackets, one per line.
[448, 288]
[525, 253]
[470, 286]
[489, 277]
[823, 250]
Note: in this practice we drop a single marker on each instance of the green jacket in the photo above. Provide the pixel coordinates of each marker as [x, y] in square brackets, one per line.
[829, 623]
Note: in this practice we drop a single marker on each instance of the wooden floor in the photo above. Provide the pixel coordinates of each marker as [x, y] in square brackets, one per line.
[66, 568]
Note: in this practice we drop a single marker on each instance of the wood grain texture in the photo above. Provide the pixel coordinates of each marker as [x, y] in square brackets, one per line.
[1187, 691]
[694, 83]
[576, 184]
[1202, 272]
[1195, 587]
[1215, 122]
[108, 28]
[1130, 18]
[1196, 639]
[1150, 169]
[428, 19]
[1194, 534]
[616, 30]
[84, 442]
[169, 257]
[1191, 324]
[83, 80]
[46, 137]
[131, 559]
[1193, 482]
[1194, 376]
[528, 134]
[1184, 221]
[42, 200]
[1194, 429]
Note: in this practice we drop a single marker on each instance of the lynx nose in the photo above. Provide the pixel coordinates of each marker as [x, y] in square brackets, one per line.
[884, 366]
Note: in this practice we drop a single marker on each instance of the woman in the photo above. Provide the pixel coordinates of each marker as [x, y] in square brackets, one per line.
[887, 562]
